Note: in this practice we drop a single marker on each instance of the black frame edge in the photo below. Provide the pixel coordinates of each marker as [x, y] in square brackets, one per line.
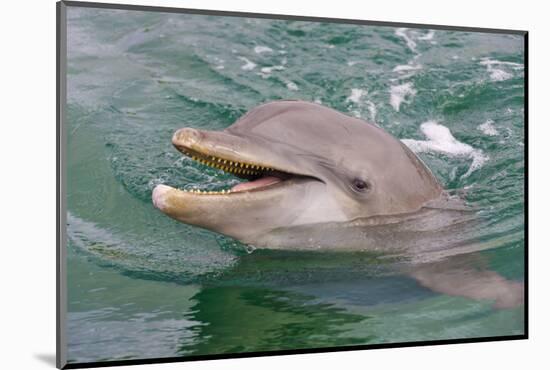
[160, 360]
[526, 182]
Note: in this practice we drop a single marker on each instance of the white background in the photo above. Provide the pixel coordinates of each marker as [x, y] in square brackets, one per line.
[27, 193]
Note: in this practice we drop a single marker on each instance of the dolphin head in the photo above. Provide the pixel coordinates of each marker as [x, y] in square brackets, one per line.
[302, 164]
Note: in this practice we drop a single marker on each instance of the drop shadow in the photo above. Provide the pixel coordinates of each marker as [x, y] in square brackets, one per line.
[47, 358]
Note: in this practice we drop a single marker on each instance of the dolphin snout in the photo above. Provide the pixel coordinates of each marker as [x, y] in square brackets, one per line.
[159, 199]
[186, 137]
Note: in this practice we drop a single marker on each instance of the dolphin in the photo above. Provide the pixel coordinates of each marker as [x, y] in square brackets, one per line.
[303, 164]
[317, 179]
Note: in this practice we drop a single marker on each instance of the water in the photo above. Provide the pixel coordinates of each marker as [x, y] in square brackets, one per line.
[141, 285]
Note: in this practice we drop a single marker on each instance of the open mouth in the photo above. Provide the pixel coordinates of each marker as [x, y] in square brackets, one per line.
[257, 176]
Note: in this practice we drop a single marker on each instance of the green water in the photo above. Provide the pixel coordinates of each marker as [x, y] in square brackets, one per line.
[141, 285]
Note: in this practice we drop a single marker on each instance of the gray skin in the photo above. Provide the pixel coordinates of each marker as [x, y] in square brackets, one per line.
[329, 150]
[402, 211]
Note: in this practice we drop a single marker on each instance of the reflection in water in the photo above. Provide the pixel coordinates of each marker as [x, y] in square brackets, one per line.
[468, 276]
[246, 319]
[327, 300]
[274, 300]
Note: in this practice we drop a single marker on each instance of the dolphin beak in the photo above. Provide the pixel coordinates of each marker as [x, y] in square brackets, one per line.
[159, 196]
[186, 137]
[267, 183]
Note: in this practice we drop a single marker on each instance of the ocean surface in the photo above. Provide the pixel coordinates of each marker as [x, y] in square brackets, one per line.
[141, 285]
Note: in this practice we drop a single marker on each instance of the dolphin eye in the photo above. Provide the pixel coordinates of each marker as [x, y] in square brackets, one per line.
[360, 185]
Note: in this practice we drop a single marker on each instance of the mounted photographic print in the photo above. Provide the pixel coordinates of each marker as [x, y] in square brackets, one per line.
[234, 184]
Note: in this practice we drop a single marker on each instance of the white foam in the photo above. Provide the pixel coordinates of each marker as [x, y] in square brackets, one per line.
[248, 66]
[266, 71]
[372, 110]
[262, 49]
[407, 68]
[487, 128]
[402, 32]
[428, 36]
[352, 63]
[399, 93]
[498, 74]
[487, 61]
[272, 68]
[356, 113]
[356, 95]
[441, 140]
[291, 86]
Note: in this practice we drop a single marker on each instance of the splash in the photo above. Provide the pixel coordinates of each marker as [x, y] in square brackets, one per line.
[441, 140]
[499, 74]
[487, 128]
[400, 93]
[262, 49]
[356, 95]
[402, 32]
[249, 65]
